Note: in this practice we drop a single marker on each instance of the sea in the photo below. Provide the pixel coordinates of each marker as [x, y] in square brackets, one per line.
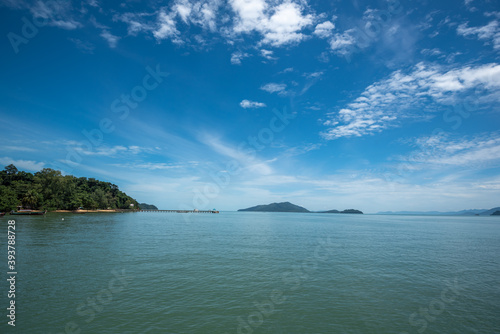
[251, 272]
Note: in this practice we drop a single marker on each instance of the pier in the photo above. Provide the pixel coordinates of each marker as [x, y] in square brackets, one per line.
[182, 211]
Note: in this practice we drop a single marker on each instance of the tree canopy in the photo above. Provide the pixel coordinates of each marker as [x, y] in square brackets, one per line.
[50, 190]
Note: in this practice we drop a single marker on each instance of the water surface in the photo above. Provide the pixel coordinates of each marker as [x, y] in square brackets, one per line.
[244, 272]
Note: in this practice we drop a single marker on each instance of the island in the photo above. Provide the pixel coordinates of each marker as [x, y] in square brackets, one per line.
[50, 190]
[343, 211]
[276, 207]
[145, 206]
[289, 207]
[496, 213]
[468, 212]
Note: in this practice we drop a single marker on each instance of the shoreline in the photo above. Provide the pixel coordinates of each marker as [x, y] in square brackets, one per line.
[93, 211]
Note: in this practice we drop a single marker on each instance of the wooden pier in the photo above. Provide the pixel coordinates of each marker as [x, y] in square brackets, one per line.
[182, 211]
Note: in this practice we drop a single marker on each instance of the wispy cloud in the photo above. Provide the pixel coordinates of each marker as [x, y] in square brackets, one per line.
[167, 27]
[108, 151]
[57, 12]
[489, 33]
[440, 151]
[23, 164]
[152, 166]
[85, 47]
[238, 56]
[246, 160]
[342, 43]
[268, 54]
[110, 38]
[136, 22]
[402, 94]
[251, 104]
[274, 88]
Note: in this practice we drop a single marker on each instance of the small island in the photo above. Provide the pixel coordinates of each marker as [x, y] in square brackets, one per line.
[289, 207]
[343, 211]
[145, 206]
[496, 213]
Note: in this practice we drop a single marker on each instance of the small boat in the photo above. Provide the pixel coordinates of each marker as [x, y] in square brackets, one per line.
[2, 214]
[28, 212]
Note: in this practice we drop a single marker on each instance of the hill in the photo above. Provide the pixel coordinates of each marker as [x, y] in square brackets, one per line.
[496, 213]
[489, 212]
[344, 211]
[276, 207]
[434, 213]
[145, 206]
[469, 212]
[48, 189]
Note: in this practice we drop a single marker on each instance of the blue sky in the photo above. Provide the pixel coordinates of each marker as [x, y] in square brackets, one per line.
[386, 105]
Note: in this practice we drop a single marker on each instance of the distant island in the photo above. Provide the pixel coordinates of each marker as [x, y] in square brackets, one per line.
[289, 207]
[496, 213]
[344, 211]
[49, 190]
[145, 206]
[277, 207]
[469, 212]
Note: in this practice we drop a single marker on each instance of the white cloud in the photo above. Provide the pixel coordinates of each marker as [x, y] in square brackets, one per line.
[279, 25]
[237, 56]
[17, 148]
[57, 13]
[405, 95]
[109, 151]
[268, 54]
[246, 160]
[342, 43]
[314, 75]
[490, 33]
[201, 13]
[135, 22]
[110, 38]
[167, 28]
[274, 88]
[85, 47]
[324, 30]
[440, 151]
[431, 52]
[29, 165]
[251, 104]
[152, 166]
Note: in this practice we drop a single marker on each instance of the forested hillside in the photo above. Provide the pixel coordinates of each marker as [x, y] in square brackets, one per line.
[50, 190]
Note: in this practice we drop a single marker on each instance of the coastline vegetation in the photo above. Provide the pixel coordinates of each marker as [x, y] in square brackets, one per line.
[49, 190]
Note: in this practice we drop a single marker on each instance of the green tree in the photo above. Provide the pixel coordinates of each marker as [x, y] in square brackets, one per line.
[8, 199]
[11, 169]
[31, 199]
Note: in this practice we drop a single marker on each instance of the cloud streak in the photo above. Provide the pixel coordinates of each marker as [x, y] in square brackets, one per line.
[251, 104]
[404, 95]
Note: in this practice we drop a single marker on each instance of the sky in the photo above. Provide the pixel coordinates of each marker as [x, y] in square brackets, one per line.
[372, 105]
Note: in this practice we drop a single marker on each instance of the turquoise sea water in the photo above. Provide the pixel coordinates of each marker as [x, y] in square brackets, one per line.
[238, 272]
